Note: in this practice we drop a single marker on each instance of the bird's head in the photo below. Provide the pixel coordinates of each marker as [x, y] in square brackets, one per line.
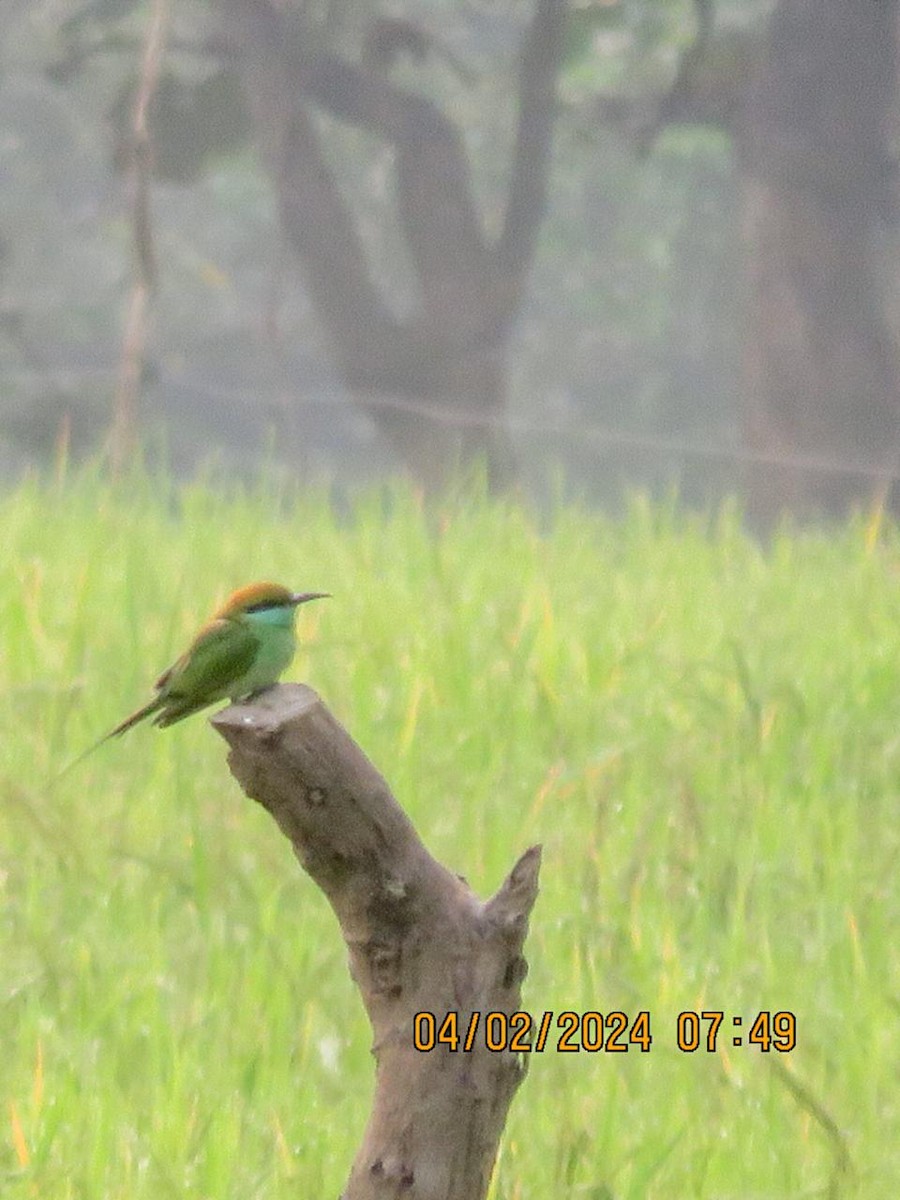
[264, 598]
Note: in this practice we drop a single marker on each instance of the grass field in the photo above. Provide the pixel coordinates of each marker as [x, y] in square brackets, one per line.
[703, 733]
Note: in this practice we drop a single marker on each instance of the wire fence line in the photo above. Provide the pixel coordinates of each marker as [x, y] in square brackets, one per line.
[607, 437]
[603, 438]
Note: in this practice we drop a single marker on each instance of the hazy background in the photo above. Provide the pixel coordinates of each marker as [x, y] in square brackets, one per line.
[635, 243]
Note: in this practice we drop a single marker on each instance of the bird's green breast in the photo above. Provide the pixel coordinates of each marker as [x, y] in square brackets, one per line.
[274, 632]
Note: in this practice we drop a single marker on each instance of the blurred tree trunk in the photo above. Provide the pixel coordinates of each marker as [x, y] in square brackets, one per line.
[434, 383]
[821, 376]
[809, 108]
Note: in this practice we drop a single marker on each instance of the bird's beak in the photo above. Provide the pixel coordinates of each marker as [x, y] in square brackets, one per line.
[302, 597]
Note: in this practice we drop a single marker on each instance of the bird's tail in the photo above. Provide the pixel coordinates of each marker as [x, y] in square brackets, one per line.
[132, 720]
[121, 728]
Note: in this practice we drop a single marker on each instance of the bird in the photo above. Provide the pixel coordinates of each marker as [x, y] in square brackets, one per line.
[243, 649]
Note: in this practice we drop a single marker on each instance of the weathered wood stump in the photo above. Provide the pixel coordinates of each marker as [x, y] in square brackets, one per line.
[419, 941]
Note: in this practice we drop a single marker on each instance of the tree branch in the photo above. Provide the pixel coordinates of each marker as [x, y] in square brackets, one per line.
[123, 429]
[336, 270]
[418, 939]
[538, 71]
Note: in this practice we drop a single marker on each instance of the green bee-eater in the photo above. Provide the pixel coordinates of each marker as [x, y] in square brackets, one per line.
[243, 648]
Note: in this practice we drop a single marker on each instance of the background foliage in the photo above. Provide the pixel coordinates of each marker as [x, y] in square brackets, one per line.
[630, 320]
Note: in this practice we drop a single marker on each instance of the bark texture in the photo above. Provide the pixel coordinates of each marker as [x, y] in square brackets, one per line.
[419, 940]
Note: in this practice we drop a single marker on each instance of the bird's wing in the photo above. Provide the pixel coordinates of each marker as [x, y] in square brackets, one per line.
[222, 652]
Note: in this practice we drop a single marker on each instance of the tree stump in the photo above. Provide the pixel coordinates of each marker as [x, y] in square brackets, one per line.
[419, 941]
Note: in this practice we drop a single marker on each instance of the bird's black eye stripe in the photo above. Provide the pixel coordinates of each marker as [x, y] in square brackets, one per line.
[264, 604]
